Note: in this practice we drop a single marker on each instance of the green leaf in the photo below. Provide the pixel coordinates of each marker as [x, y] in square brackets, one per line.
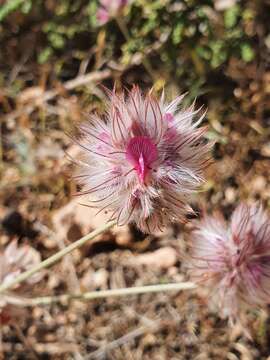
[56, 40]
[247, 53]
[177, 33]
[231, 16]
[44, 55]
[26, 7]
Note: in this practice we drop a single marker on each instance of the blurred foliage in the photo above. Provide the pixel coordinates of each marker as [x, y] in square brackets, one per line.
[198, 38]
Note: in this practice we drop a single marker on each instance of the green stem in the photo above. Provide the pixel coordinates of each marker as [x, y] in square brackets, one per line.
[148, 67]
[47, 300]
[124, 30]
[56, 257]
[122, 26]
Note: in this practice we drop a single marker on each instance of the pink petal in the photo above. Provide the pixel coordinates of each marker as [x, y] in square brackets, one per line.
[168, 117]
[102, 16]
[141, 153]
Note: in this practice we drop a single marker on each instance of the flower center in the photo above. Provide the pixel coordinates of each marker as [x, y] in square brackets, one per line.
[141, 153]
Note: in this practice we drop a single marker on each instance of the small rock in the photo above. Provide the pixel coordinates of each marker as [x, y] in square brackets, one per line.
[265, 151]
[162, 258]
[230, 195]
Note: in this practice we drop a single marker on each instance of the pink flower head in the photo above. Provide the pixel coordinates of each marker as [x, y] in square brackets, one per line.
[13, 261]
[234, 260]
[109, 9]
[143, 160]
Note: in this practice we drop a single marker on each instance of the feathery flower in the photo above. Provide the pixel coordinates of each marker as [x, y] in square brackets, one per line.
[144, 160]
[233, 261]
[109, 9]
[13, 261]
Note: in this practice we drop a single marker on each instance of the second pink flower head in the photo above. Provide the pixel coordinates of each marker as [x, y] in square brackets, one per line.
[233, 261]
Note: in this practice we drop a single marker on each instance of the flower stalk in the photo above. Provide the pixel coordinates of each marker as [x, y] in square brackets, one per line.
[101, 294]
[54, 258]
